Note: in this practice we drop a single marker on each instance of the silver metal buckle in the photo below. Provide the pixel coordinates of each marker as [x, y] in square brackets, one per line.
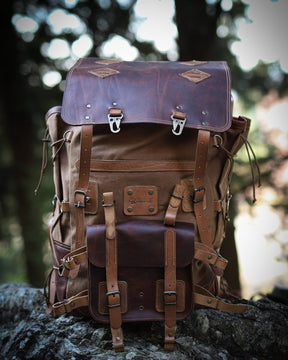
[114, 123]
[178, 125]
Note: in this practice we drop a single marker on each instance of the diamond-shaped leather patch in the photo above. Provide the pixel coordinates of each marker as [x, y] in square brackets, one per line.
[108, 61]
[195, 75]
[103, 72]
[194, 62]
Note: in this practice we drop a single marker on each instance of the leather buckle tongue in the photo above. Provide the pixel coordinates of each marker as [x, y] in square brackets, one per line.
[115, 116]
[179, 120]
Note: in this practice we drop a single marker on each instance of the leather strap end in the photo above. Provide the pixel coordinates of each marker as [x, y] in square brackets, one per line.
[117, 338]
[169, 338]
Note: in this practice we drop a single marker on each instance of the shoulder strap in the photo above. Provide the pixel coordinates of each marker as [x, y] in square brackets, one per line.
[199, 186]
[80, 195]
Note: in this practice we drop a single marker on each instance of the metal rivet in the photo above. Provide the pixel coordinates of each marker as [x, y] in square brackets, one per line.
[141, 293]
[209, 301]
[209, 257]
[178, 107]
[87, 117]
[141, 307]
[118, 338]
[204, 112]
[203, 123]
[151, 208]
[72, 304]
[88, 106]
[170, 334]
[130, 192]
[130, 209]
[75, 260]
[150, 191]
[114, 103]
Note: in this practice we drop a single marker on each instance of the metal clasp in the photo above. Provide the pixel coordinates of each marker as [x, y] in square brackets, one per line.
[114, 122]
[178, 124]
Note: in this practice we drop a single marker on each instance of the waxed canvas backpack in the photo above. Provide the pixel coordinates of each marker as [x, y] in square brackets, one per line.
[142, 160]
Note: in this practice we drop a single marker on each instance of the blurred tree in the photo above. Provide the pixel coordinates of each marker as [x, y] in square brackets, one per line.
[25, 98]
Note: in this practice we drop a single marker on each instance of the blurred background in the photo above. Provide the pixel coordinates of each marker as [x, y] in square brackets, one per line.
[42, 39]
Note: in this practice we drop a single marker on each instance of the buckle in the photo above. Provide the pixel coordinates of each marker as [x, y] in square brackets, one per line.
[114, 122]
[169, 293]
[113, 293]
[200, 188]
[78, 204]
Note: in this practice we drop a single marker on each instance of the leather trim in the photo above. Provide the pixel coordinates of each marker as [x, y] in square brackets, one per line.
[180, 289]
[140, 200]
[102, 299]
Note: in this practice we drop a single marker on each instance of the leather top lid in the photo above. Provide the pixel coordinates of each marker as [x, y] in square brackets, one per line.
[149, 92]
[141, 244]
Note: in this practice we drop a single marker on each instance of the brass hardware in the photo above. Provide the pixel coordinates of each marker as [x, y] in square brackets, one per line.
[141, 293]
[151, 208]
[170, 334]
[118, 338]
[72, 304]
[209, 301]
[209, 257]
[130, 192]
[150, 191]
[130, 209]
[141, 307]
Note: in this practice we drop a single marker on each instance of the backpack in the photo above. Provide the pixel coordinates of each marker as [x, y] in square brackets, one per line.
[142, 163]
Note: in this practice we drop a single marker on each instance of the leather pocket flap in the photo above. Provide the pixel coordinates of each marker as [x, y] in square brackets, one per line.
[141, 244]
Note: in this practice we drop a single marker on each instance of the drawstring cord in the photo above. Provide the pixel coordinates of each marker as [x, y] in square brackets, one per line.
[67, 137]
[250, 149]
[218, 143]
[45, 141]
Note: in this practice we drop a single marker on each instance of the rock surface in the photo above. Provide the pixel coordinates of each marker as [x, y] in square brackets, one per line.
[26, 332]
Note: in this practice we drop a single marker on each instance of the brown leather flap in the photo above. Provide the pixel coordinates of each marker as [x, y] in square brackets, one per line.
[149, 92]
[141, 244]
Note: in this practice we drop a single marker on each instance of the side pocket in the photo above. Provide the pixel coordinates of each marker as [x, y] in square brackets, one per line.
[57, 285]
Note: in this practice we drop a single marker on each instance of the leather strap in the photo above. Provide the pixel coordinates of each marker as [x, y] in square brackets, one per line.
[205, 298]
[113, 292]
[68, 305]
[199, 186]
[174, 204]
[72, 261]
[170, 294]
[80, 195]
[205, 253]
